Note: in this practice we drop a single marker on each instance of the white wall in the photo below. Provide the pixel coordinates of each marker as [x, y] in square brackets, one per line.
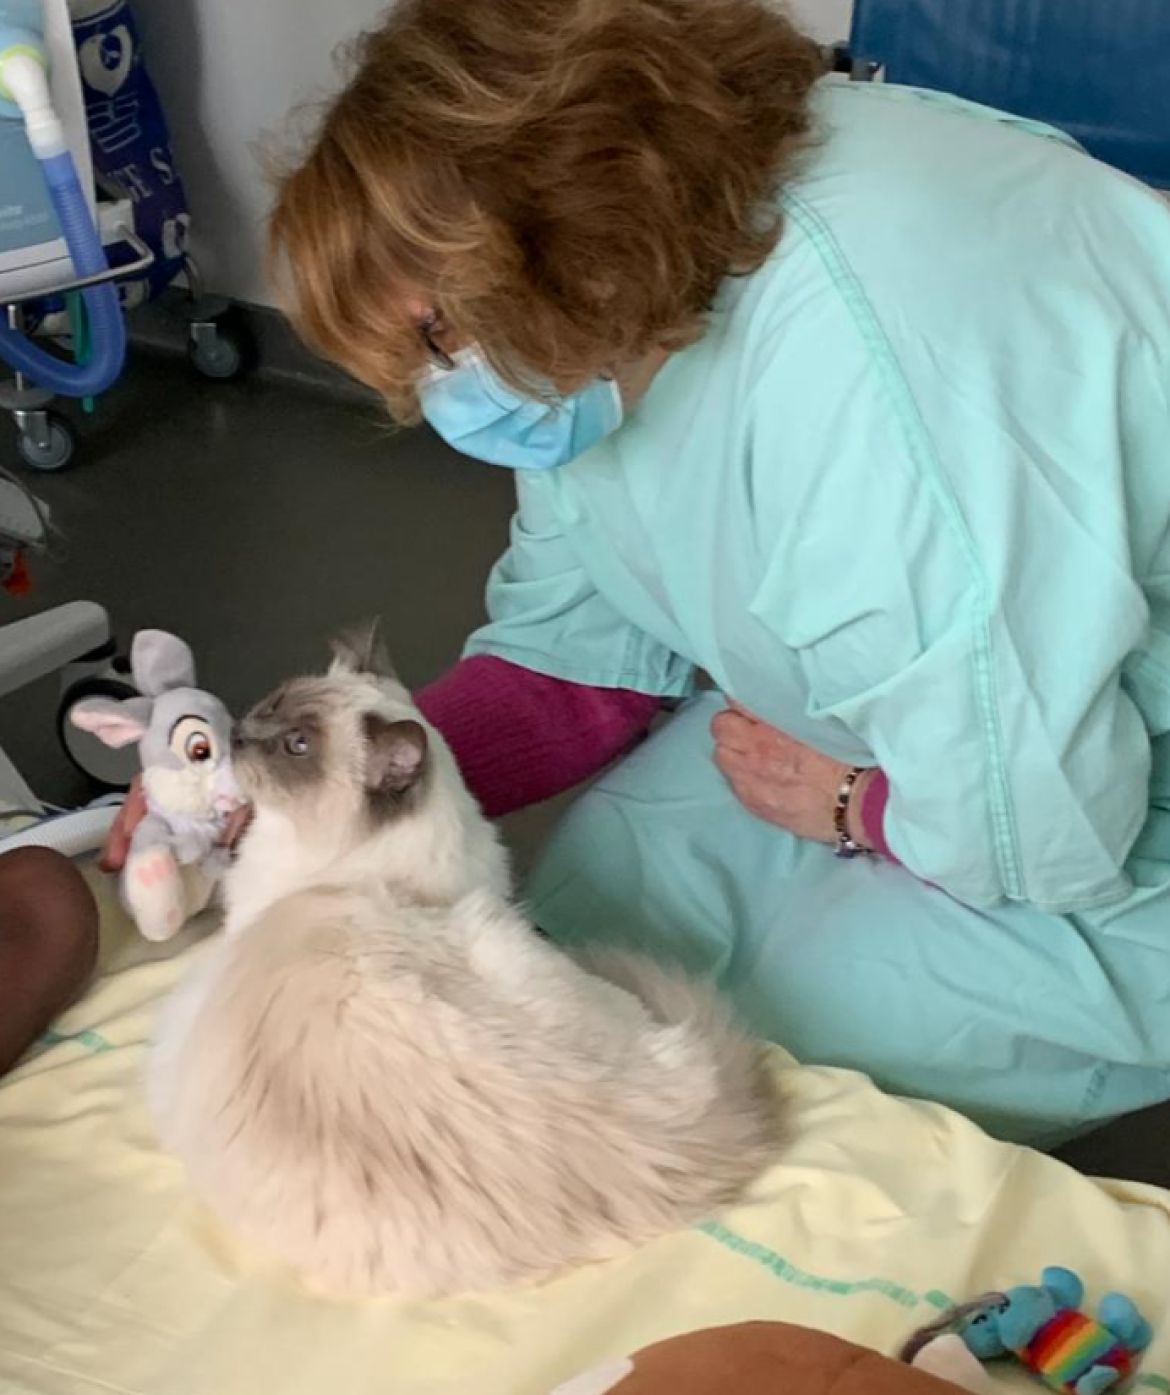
[228, 70]
[827, 20]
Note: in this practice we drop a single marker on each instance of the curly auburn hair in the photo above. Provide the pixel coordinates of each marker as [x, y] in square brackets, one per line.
[565, 182]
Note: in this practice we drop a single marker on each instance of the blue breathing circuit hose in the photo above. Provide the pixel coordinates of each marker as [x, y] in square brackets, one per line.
[107, 325]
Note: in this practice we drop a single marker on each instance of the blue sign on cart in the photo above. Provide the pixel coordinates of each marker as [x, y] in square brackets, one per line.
[129, 137]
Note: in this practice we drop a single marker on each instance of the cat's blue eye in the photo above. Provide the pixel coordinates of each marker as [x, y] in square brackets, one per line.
[296, 743]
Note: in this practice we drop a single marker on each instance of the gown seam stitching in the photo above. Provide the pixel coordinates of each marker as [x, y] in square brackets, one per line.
[925, 456]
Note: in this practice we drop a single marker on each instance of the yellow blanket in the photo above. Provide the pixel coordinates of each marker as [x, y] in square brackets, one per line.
[880, 1212]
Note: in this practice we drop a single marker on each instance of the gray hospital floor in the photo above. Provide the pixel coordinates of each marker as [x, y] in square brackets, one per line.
[254, 520]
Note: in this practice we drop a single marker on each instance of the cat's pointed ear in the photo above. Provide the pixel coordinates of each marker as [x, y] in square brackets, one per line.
[359, 649]
[396, 755]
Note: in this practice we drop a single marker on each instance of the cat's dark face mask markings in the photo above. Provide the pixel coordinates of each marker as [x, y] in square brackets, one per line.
[283, 744]
[311, 743]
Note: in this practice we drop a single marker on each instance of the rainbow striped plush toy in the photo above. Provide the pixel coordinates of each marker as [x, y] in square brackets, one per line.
[1041, 1326]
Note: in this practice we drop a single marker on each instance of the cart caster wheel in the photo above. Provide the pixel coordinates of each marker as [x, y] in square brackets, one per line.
[220, 349]
[57, 449]
[104, 767]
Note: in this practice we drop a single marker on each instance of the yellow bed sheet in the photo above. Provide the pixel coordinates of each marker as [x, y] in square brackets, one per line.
[880, 1212]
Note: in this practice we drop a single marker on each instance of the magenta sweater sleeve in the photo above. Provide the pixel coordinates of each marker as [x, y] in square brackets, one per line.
[521, 737]
[873, 815]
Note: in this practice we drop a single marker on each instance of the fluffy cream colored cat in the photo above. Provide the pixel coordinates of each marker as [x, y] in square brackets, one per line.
[383, 1075]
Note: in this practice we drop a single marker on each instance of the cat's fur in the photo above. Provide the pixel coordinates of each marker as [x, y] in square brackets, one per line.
[381, 1074]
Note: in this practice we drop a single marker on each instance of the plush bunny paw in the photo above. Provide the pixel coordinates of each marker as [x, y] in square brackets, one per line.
[154, 892]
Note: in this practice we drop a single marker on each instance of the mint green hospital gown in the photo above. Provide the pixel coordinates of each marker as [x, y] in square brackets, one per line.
[908, 500]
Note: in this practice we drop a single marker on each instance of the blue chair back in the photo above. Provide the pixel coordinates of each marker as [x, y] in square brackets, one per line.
[1100, 69]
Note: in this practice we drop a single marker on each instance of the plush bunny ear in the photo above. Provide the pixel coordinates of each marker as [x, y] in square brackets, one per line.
[116, 724]
[160, 662]
[359, 649]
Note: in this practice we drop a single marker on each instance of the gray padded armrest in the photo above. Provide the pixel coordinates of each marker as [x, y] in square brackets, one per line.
[33, 648]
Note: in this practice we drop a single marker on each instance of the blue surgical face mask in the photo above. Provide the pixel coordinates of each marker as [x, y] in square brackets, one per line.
[478, 414]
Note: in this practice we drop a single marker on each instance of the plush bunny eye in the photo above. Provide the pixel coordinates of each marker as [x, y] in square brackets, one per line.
[296, 743]
[198, 749]
[193, 742]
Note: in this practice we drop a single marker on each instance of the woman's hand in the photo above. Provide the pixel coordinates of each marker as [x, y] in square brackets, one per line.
[131, 814]
[778, 779]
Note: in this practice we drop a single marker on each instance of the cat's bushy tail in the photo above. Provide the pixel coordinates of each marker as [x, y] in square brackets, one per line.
[742, 1105]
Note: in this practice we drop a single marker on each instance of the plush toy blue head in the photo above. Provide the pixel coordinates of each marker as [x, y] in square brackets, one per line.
[1042, 1325]
[1010, 1320]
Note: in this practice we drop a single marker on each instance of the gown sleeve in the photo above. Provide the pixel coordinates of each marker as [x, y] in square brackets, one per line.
[546, 615]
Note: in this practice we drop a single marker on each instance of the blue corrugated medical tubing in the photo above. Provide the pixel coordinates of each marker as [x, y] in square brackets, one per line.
[107, 325]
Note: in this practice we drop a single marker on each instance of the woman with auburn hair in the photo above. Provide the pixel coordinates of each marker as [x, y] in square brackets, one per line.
[854, 399]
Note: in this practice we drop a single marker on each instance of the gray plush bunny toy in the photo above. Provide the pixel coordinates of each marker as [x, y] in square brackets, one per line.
[176, 857]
